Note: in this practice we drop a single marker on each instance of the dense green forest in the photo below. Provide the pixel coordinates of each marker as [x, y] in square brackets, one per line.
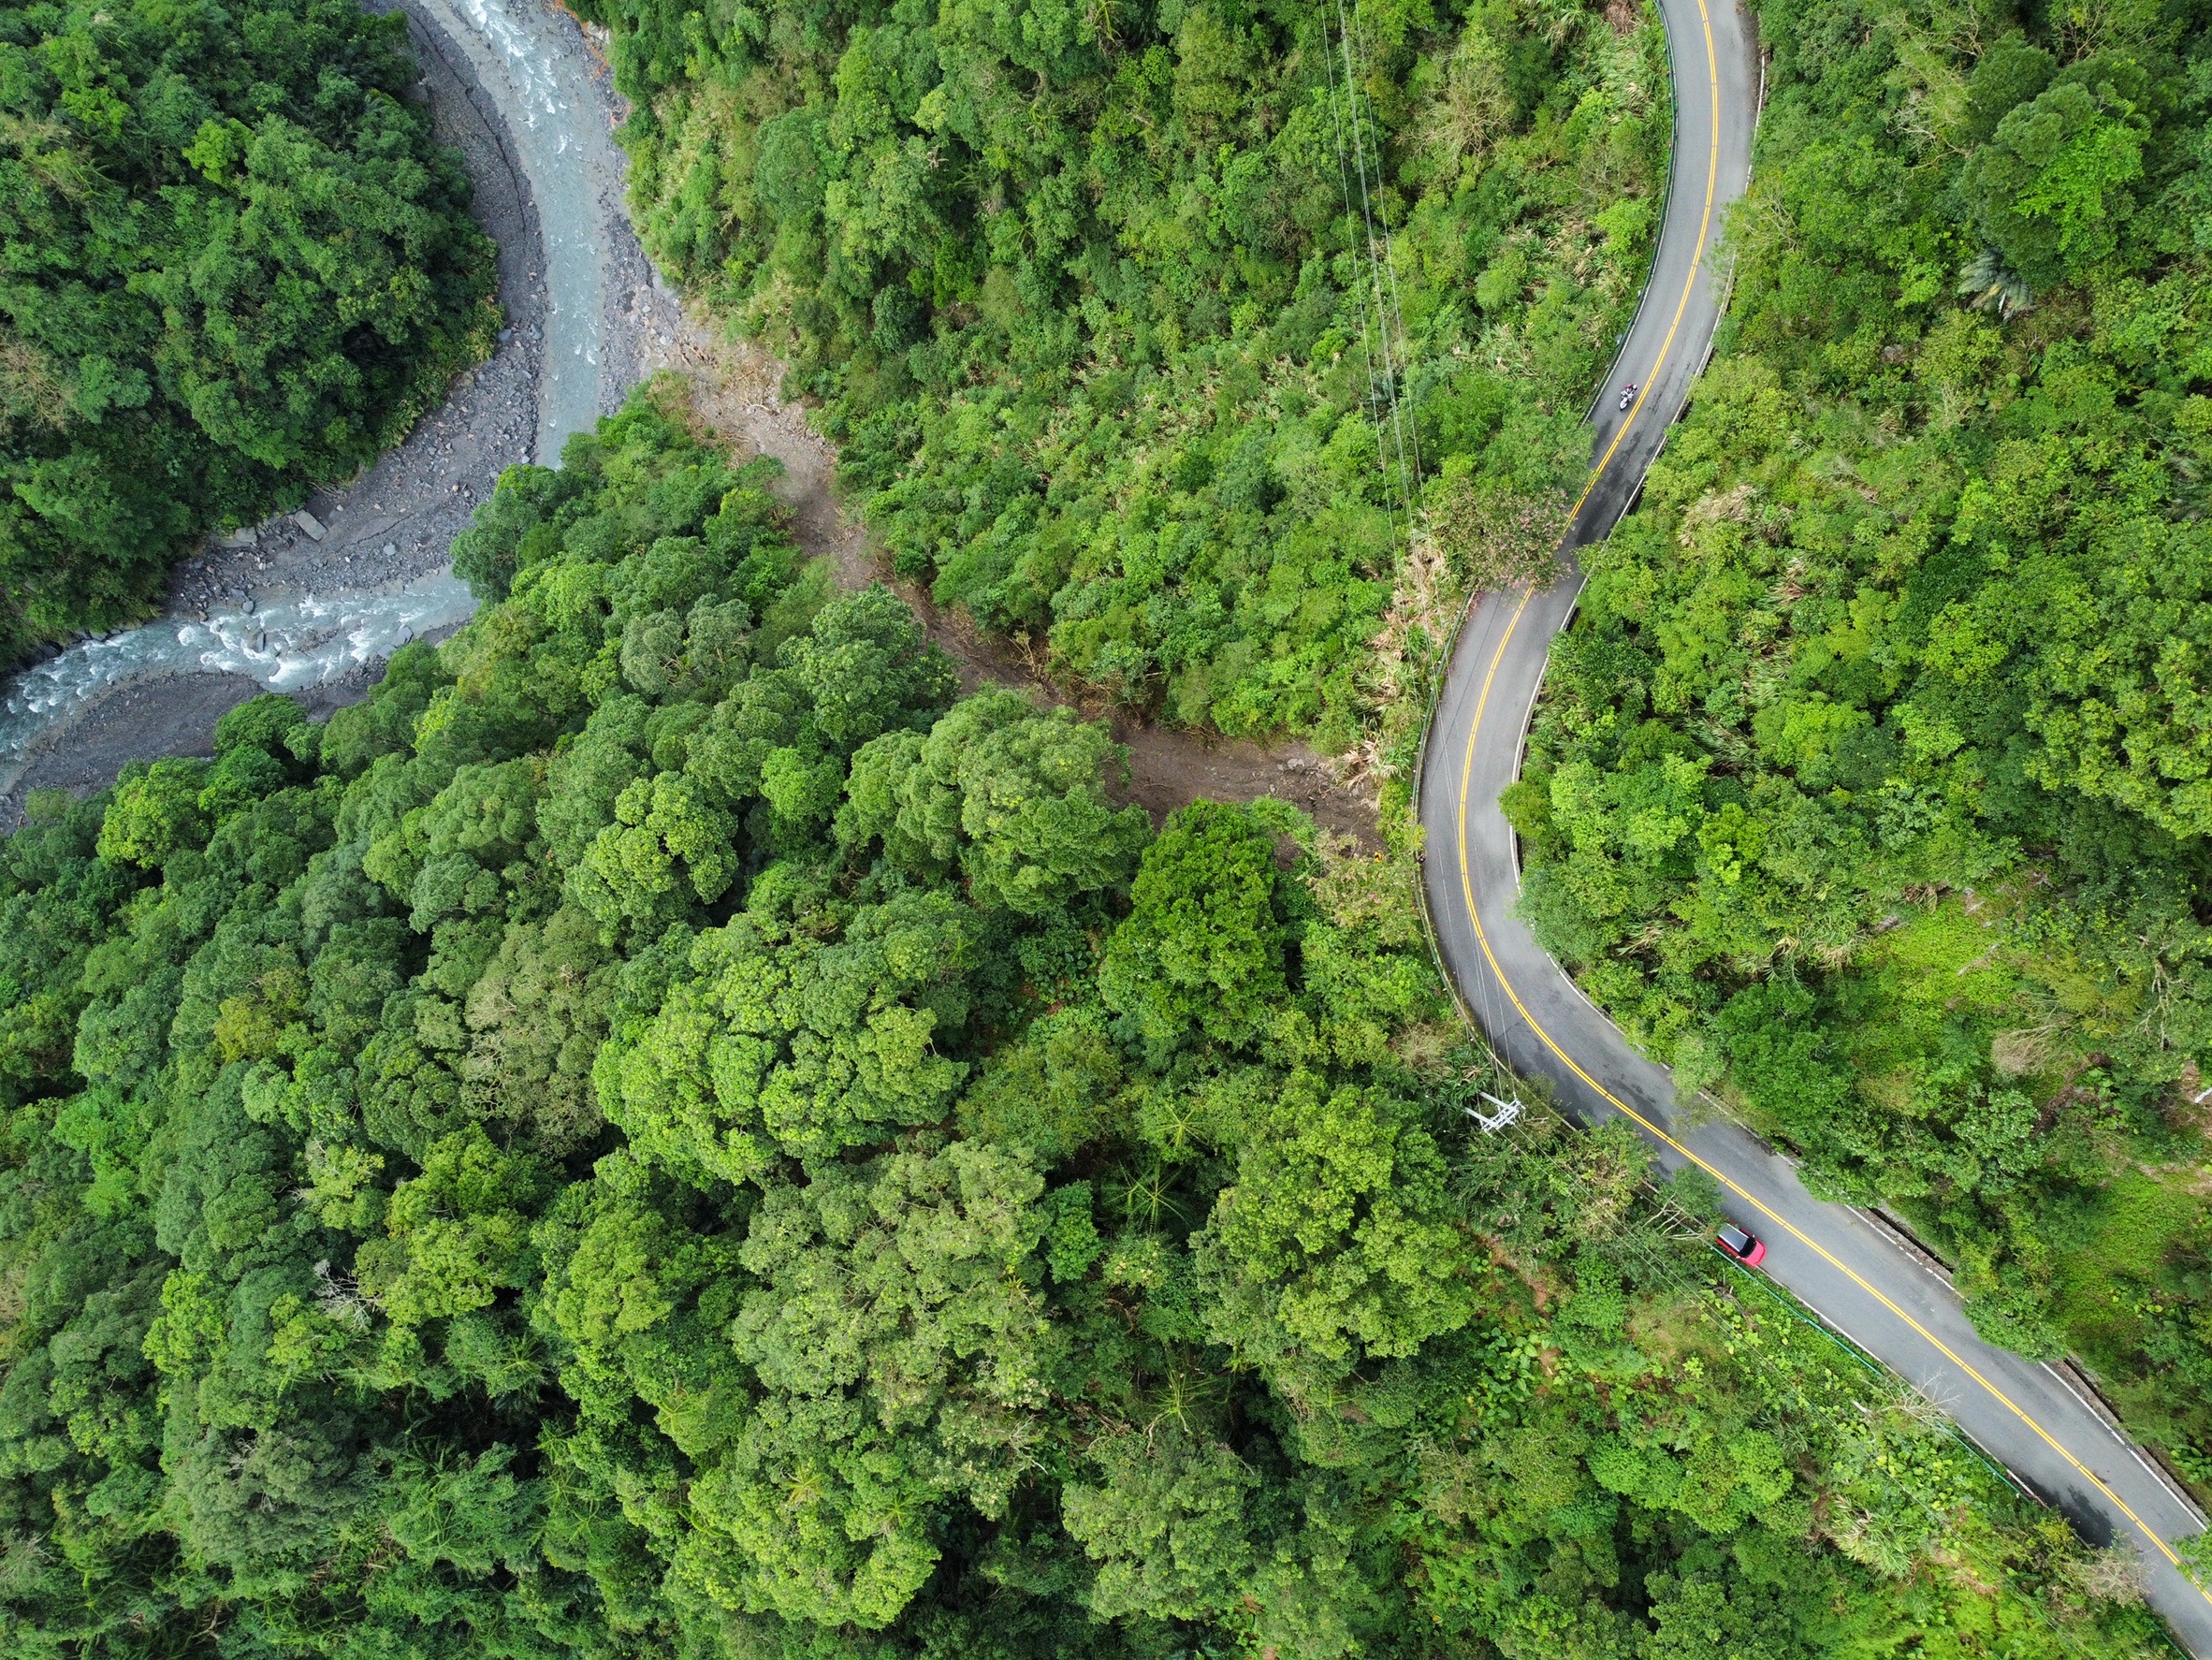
[1144, 330]
[665, 1131]
[233, 265]
[662, 1133]
[1871, 785]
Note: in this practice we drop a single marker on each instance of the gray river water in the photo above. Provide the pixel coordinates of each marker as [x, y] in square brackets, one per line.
[531, 60]
[533, 64]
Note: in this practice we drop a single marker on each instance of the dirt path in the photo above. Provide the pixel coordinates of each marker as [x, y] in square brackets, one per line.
[392, 528]
[736, 391]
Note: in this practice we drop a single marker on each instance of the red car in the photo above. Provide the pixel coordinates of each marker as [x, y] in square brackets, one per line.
[1741, 1245]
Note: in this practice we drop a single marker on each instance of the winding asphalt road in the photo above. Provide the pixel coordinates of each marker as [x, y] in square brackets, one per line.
[1858, 1276]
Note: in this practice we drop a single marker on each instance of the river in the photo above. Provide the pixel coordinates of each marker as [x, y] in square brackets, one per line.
[529, 72]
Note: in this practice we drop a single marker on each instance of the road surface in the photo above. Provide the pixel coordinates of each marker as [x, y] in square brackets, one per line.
[1857, 1276]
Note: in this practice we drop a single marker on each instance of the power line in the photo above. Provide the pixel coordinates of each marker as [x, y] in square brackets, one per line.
[1655, 1246]
[1390, 370]
[1366, 347]
[1390, 272]
[1396, 357]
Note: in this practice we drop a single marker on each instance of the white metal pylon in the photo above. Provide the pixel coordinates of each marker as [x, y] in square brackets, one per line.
[1506, 1112]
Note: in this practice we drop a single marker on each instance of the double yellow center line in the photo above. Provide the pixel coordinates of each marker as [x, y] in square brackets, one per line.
[1498, 972]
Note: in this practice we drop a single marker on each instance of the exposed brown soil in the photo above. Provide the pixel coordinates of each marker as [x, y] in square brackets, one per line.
[736, 392]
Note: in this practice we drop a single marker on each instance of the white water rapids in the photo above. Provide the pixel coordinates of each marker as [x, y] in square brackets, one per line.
[288, 645]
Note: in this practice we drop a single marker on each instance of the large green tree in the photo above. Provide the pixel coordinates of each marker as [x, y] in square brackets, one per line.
[1146, 333]
[874, 1252]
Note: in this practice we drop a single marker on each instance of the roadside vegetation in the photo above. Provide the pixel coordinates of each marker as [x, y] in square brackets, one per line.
[233, 265]
[665, 1132]
[1142, 329]
[1870, 784]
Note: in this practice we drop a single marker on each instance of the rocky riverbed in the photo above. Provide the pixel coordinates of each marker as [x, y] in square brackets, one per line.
[313, 602]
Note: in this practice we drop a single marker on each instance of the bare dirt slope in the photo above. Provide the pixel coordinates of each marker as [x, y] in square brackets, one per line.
[397, 520]
[736, 391]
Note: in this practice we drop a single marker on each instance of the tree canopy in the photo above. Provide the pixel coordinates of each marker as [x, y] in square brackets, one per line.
[1145, 333]
[1870, 785]
[666, 1131]
[716, 1147]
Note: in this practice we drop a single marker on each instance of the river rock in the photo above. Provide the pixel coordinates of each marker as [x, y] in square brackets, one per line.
[310, 524]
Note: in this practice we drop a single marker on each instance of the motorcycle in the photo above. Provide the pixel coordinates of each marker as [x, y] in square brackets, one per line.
[1627, 394]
